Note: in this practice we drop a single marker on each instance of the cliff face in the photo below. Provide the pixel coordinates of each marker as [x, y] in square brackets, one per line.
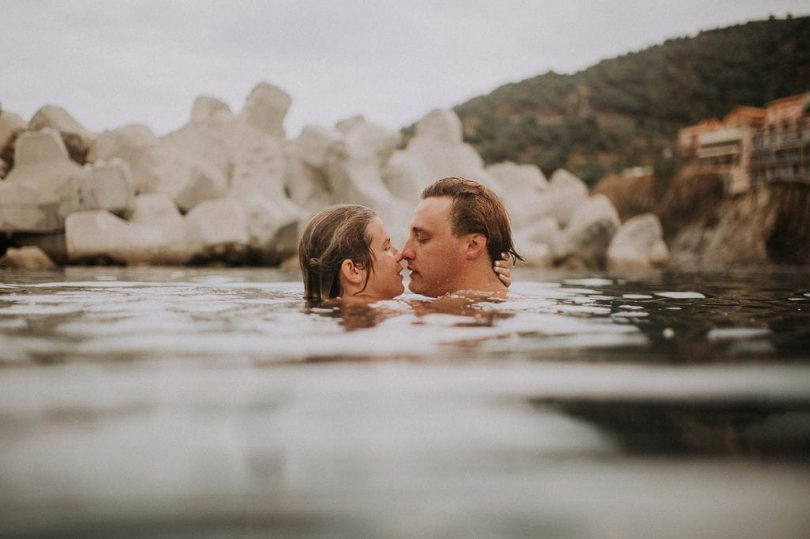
[768, 225]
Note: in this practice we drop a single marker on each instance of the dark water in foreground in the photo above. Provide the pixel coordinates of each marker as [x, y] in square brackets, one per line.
[214, 403]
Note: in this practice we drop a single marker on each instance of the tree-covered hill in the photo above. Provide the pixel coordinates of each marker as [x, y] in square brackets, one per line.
[626, 111]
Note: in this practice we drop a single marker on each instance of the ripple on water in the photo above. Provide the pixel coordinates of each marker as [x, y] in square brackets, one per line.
[728, 334]
[681, 295]
[511, 411]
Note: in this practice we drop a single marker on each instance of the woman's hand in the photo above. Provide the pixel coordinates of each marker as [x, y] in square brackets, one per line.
[503, 268]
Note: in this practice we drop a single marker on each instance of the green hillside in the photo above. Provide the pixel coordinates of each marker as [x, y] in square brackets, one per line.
[626, 111]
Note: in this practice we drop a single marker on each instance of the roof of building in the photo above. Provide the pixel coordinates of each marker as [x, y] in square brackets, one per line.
[789, 100]
[745, 114]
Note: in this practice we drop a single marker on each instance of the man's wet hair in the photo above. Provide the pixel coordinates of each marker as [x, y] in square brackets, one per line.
[477, 209]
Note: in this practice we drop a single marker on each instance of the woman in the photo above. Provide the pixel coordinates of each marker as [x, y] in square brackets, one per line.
[346, 252]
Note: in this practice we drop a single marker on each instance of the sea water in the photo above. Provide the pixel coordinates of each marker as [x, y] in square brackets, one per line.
[216, 403]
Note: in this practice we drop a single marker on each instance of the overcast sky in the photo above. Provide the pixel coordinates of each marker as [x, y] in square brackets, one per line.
[111, 63]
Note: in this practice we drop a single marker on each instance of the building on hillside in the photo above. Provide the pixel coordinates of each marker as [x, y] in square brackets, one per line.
[726, 150]
[688, 136]
[744, 116]
[752, 146]
[781, 149]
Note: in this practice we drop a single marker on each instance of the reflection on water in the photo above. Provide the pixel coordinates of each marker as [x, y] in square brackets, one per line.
[183, 402]
[760, 429]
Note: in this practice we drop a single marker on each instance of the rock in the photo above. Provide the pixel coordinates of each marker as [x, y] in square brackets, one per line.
[441, 126]
[638, 245]
[540, 242]
[24, 208]
[259, 165]
[436, 151]
[313, 144]
[272, 230]
[536, 254]
[10, 125]
[400, 175]
[218, 229]
[188, 177]
[344, 126]
[520, 187]
[154, 208]
[306, 185]
[100, 235]
[265, 109]
[37, 147]
[165, 241]
[26, 258]
[354, 172]
[562, 179]
[564, 195]
[96, 234]
[42, 164]
[513, 177]
[103, 186]
[59, 119]
[207, 109]
[196, 160]
[135, 144]
[261, 181]
[77, 139]
[209, 136]
[590, 230]
[190, 165]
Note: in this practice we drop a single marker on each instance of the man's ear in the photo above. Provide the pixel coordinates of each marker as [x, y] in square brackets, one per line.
[353, 273]
[476, 246]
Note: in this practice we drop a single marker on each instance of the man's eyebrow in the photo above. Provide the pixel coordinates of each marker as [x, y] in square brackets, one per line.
[418, 230]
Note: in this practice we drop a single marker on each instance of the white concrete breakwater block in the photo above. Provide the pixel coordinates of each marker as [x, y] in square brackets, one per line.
[137, 146]
[217, 222]
[27, 209]
[10, 124]
[638, 245]
[590, 230]
[99, 234]
[91, 234]
[102, 186]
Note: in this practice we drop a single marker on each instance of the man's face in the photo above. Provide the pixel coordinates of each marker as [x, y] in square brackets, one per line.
[434, 254]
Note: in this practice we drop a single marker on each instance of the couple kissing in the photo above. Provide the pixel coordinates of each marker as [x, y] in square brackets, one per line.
[459, 240]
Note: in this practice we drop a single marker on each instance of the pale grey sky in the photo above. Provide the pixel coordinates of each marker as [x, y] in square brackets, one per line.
[111, 63]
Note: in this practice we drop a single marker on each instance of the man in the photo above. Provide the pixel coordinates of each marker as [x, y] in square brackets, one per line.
[458, 230]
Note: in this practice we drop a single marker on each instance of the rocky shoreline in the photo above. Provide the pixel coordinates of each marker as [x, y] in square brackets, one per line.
[231, 188]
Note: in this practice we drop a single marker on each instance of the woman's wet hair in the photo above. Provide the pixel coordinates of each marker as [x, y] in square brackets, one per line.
[333, 235]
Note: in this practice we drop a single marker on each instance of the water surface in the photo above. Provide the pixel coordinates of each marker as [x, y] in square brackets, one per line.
[213, 402]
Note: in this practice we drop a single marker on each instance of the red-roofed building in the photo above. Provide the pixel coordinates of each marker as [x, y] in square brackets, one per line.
[688, 136]
[782, 146]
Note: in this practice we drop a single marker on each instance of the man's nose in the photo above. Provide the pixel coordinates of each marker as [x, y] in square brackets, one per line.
[407, 251]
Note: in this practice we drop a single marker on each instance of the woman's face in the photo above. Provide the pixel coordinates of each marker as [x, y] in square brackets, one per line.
[386, 277]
